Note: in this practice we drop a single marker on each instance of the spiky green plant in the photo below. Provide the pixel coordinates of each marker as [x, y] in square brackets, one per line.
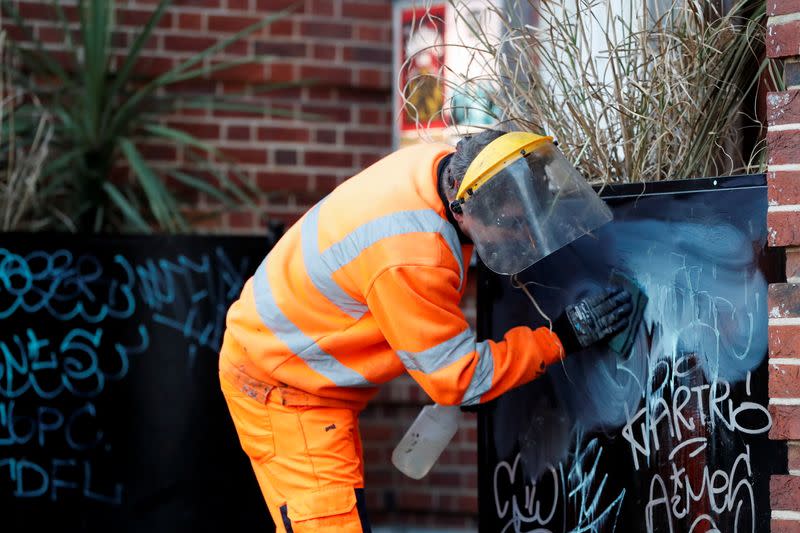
[668, 95]
[101, 113]
[21, 159]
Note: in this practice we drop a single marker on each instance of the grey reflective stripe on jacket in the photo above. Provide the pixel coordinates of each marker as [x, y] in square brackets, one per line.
[321, 271]
[320, 268]
[481, 380]
[441, 355]
[450, 351]
[392, 225]
[297, 341]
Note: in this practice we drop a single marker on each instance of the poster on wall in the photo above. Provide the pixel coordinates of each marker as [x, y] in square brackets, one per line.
[421, 64]
[442, 84]
[470, 81]
[672, 434]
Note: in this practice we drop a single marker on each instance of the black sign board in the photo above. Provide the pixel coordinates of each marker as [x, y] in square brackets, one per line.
[672, 437]
[111, 417]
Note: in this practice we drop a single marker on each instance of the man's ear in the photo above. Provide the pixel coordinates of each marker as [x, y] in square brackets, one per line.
[450, 180]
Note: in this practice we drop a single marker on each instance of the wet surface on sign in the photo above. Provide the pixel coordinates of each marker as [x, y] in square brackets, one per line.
[672, 436]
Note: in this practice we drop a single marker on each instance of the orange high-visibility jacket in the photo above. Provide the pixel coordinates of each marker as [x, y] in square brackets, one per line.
[367, 286]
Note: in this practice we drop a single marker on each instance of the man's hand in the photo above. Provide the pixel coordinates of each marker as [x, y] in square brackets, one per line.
[594, 319]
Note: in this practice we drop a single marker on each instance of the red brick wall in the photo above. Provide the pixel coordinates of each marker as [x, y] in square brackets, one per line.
[448, 495]
[783, 141]
[346, 46]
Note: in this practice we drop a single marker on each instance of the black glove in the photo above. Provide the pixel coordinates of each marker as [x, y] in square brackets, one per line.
[593, 319]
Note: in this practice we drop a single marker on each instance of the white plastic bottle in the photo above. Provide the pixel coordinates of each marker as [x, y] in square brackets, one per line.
[426, 439]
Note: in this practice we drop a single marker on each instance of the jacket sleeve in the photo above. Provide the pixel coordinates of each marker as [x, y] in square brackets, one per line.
[416, 308]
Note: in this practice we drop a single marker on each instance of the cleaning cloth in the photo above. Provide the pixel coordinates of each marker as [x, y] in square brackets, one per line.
[622, 342]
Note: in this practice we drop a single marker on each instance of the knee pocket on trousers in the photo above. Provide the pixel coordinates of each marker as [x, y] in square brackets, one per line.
[321, 503]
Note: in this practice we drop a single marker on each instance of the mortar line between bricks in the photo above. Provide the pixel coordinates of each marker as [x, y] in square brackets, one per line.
[784, 361]
[782, 19]
[784, 401]
[784, 321]
[794, 472]
[777, 168]
[786, 515]
[784, 127]
[783, 208]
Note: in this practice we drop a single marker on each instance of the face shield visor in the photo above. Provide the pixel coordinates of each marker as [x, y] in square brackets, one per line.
[526, 204]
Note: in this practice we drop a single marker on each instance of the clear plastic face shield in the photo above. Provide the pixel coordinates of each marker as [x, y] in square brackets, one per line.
[529, 209]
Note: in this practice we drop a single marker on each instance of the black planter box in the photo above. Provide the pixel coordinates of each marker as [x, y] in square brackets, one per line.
[111, 417]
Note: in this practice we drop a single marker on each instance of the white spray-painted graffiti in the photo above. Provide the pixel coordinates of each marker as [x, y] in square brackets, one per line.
[726, 492]
[676, 495]
[642, 428]
[704, 331]
[580, 487]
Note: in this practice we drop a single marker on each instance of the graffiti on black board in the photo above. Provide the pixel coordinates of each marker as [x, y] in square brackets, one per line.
[51, 378]
[111, 415]
[664, 438]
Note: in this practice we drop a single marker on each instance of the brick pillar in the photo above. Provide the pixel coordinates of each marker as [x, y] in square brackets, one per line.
[783, 219]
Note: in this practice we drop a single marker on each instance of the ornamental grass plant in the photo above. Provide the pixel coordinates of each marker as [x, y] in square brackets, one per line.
[636, 91]
[21, 159]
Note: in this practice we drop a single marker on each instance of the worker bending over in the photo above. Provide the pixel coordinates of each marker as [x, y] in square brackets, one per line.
[366, 286]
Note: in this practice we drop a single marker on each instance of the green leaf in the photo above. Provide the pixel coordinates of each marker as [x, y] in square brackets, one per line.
[132, 55]
[62, 19]
[49, 64]
[202, 186]
[130, 213]
[181, 137]
[224, 65]
[94, 112]
[238, 36]
[263, 88]
[212, 104]
[63, 162]
[96, 28]
[72, 129]
[227, 183]
[160, 200]
[130, 107]
[99, 215]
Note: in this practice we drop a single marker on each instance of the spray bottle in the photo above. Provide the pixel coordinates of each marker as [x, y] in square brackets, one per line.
[426, 439]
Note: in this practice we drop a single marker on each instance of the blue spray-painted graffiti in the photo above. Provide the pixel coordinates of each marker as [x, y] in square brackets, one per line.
[80, 364]
[174, 291]
[65, 287]
[16, 429]
[65, 352]
[32, 480]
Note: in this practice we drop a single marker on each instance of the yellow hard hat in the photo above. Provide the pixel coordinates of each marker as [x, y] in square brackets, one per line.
[534, 202]
[498, 154]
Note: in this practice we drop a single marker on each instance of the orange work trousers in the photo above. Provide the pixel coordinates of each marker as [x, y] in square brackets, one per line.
[307, 457]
